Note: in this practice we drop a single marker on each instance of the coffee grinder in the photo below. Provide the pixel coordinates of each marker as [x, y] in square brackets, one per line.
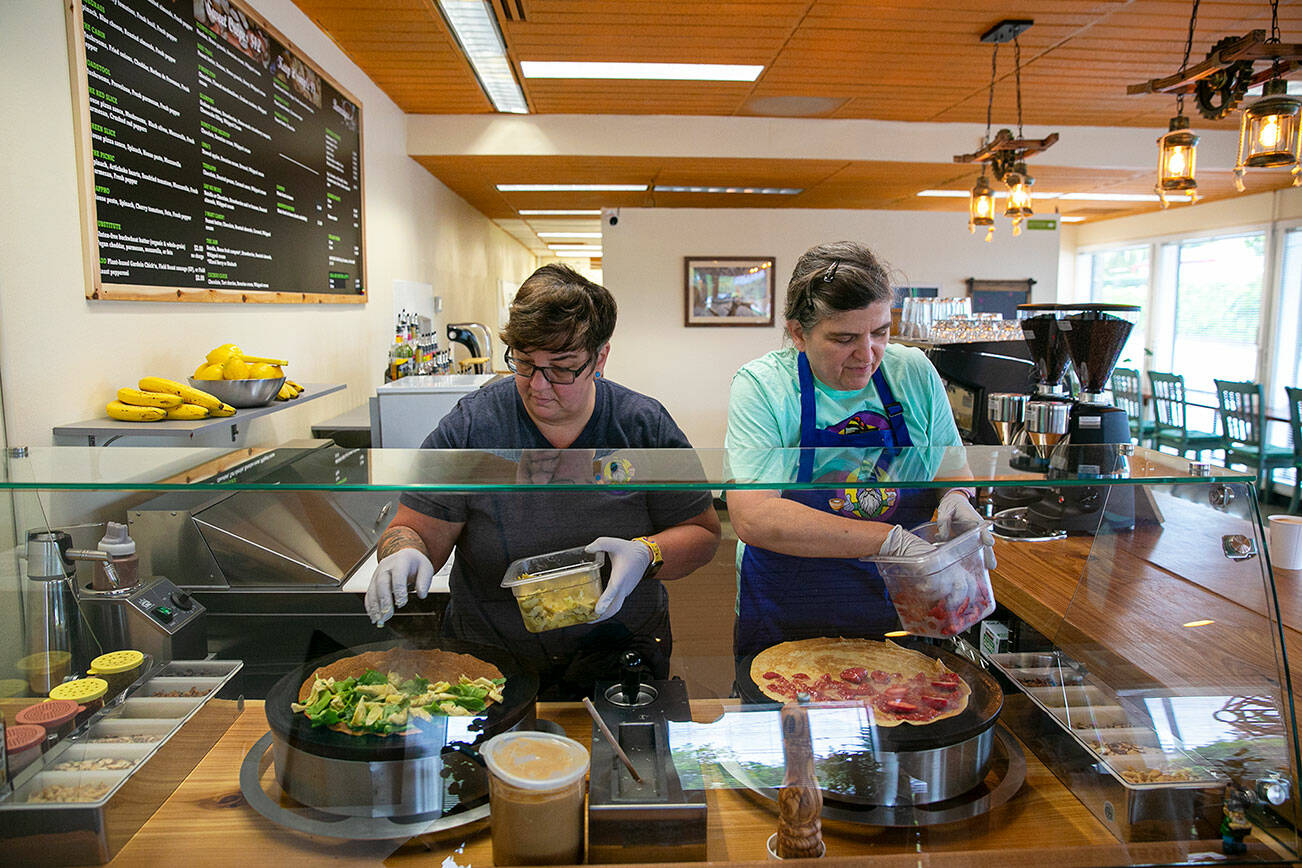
[1034, 424]
[1097, 435]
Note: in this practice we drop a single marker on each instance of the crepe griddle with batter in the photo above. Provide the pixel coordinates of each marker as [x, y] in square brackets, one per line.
[427, 738]
[983, 705]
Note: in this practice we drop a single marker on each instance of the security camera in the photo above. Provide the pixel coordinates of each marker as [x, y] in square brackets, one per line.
[614, 219]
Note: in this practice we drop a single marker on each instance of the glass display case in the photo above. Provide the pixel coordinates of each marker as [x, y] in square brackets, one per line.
[1124, 685]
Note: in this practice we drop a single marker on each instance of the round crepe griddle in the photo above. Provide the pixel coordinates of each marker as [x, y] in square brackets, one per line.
[518, 695]
[983, 704]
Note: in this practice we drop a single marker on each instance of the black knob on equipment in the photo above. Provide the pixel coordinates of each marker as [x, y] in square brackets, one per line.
[183, 600]
[630, 676]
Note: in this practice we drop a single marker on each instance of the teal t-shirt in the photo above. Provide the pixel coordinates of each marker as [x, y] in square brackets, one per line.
[764, 414]
[764, 405]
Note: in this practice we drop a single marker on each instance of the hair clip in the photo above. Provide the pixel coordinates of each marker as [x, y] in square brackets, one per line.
[830, 275]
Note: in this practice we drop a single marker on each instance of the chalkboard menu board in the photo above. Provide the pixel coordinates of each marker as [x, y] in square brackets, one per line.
[219, 163]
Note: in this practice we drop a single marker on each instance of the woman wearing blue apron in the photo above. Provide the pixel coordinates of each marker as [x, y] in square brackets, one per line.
[862, 403]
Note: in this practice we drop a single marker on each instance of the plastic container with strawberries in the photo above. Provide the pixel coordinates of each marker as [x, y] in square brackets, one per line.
[943, 592]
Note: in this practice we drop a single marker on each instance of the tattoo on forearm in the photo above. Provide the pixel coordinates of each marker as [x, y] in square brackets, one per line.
[399, 537]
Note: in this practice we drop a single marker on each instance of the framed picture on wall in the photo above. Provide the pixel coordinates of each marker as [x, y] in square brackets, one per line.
[999, 296]
[728, 291]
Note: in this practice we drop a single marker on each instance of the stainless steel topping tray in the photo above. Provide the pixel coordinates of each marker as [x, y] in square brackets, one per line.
[1094, 716]
[94, 829]
[1084, 732]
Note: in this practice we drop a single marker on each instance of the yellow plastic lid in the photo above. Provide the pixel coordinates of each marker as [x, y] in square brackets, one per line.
[115, 662]
[81, 691]
[44, 661]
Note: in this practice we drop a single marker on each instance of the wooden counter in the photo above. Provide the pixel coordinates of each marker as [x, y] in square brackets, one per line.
[1125, 620]
[207, 821]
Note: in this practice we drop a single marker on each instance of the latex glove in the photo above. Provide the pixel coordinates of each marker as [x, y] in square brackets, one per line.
[899, 543]
[388, 588]
[957, 514]
[628, 562]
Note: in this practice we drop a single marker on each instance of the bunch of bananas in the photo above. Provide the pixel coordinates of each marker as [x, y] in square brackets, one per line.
[289, 391]
[158, 399]
[229, 362]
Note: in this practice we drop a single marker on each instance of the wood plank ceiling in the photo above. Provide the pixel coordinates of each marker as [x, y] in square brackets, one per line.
[895, 60]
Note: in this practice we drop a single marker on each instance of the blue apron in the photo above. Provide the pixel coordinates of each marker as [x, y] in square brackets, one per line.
[786, 597]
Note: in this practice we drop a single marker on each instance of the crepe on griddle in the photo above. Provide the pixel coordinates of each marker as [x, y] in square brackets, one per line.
[435, 665]
[900, 684]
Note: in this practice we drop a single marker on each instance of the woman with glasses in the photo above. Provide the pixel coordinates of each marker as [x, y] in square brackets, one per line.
[842, 388]
[558, 341]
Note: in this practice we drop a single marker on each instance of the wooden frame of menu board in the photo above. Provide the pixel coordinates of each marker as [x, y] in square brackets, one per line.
[216, 162]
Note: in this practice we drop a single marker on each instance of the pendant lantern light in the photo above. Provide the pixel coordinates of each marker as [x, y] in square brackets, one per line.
[1268, 136]
[1177, 156]
[981, 207]
[1019, 196]
[1177, 161]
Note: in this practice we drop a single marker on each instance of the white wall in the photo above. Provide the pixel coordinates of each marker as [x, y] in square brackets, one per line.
[689, 369]
[62, 356]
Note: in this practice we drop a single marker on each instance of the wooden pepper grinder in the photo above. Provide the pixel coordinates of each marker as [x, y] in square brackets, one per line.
[800, 802]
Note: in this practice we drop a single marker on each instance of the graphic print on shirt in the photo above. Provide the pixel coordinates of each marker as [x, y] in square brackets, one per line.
[867, 503]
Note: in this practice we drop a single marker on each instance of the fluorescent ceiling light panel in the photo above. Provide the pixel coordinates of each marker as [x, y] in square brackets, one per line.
[569, 234]
[640, 71]
[1072, 219]
[559, 255]
[576, 248]
[595, 212]
[765, 191]
[1110, 197]
[999, 194]
[572, 188]
[475, 28]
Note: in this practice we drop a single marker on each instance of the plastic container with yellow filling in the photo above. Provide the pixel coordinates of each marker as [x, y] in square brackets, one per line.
[120, 669]
[86, 692]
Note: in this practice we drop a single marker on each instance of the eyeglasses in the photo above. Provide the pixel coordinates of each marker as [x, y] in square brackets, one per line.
[554, 375]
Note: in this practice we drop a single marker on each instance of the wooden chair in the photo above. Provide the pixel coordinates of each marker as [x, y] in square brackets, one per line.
[1127, 396]
[1243, 419]
[1169, 425]
[1295, 422]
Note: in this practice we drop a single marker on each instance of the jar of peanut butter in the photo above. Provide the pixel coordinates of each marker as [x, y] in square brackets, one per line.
[536, 787]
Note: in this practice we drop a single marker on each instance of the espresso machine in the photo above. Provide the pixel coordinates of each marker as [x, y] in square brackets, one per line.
[1085, 438]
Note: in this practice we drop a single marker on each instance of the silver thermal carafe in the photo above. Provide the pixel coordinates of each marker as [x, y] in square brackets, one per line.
[52, 623]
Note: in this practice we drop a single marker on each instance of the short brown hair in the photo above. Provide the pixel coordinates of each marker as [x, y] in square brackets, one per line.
[836, 277]
[557, 309]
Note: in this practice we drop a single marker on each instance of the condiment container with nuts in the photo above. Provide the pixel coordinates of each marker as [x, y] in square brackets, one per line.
[23, 745]
[120, 669]
[56, 716]
[86, 692]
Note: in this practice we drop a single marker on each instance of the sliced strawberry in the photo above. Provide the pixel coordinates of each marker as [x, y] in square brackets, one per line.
[895, 692]
[800, 675]
[946, 686]
[854, 675]
[880, 676]
[949, 676]
[772, 675]
[937, 702]
[899, 706]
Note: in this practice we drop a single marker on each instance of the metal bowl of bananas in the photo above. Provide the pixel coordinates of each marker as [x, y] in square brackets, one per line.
[242, 393]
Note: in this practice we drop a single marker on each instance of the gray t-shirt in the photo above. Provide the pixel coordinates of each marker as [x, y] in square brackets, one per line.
[501, 527]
